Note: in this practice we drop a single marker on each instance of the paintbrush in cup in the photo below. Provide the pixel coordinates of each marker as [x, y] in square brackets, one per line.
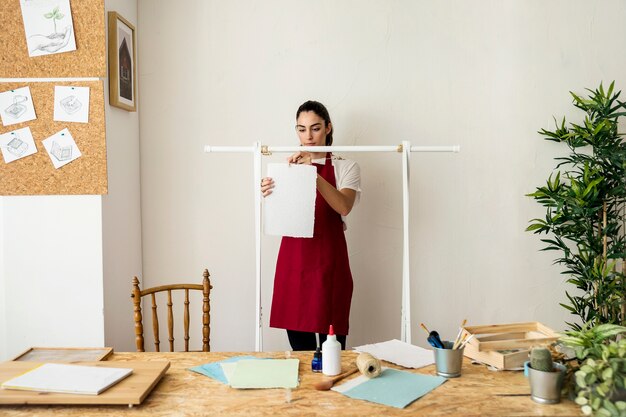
[433, 337]
[457, 341]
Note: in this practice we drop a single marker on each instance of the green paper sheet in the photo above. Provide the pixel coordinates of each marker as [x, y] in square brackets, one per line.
[267, 373]
[394, 388]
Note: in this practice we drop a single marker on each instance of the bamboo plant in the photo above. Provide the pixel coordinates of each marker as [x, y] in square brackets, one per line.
[585, 200]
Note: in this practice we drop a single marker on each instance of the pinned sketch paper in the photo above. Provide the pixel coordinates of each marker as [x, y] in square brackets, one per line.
[400, 353]
[48, 26]
[61, 148]
[75, 379]
[267, 373]
[290, 208]
[392, 387]
[71, 104]
[16, 106]
[17, 144]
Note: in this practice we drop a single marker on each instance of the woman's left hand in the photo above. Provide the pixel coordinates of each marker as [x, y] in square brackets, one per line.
[301, 158]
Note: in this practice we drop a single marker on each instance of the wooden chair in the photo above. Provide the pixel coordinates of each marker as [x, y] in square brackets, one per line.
[137, 294]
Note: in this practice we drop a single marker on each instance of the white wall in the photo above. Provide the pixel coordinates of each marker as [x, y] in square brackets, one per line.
[51, 272]
[3, 303]
[60, 256]
[121, 212]
[485, 74]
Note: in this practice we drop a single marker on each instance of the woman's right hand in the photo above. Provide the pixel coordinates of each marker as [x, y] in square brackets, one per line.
[266, 186]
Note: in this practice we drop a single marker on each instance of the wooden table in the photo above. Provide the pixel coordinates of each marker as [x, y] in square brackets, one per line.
[478, 392]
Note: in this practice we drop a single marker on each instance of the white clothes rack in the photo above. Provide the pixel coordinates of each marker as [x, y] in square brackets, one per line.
[404, 149]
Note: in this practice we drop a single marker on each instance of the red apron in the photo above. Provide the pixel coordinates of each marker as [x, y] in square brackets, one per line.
[313, 283]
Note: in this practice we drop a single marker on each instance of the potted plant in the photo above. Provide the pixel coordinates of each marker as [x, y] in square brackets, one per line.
[600, 372]
[584, 201]
[545, 376]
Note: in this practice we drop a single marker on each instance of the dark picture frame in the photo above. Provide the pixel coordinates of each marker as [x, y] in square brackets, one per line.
[122, 63]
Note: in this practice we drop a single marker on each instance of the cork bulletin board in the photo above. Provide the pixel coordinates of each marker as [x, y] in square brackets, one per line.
[88, 60]
[35, 174]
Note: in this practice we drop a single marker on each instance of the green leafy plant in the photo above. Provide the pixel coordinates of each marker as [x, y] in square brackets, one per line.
[584, 200]
[588, 341]
[600, 380]
[601, 377]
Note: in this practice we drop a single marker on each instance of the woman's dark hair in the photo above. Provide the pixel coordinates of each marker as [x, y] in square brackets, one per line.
[319, 109]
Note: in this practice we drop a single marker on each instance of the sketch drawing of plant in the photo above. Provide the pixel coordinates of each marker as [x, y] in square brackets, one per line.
[61, 153]
[54, 15]
[56, 40]
[17, 146]
[16, 109]
[70, 104]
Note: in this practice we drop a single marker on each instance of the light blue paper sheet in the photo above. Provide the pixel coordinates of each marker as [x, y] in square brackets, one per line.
[395, 388]
[214, 369]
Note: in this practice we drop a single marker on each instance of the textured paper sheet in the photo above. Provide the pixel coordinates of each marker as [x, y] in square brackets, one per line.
[400, 353]
[268, 373]
[394, 388]
[228, 368]
[78, 379]
[215, 370]
[290, 209]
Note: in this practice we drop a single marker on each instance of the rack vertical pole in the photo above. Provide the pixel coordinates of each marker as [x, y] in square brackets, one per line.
[258, 345]
[406, 282]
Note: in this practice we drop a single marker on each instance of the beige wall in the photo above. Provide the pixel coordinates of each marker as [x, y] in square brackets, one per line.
[121, 212]
[485, 75]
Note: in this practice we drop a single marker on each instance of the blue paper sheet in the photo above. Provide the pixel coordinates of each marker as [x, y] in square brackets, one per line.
[394, 388]
[214, 369]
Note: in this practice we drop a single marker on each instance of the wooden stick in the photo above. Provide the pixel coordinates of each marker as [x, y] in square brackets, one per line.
[425, 329]
[328, 383]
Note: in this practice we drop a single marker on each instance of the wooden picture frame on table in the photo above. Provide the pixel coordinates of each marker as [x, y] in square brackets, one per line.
[122, 63]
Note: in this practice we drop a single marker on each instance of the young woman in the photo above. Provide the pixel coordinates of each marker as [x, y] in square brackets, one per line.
[313, 282]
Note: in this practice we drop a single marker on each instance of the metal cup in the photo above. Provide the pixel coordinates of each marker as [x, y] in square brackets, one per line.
[448, 362]
[545, 387]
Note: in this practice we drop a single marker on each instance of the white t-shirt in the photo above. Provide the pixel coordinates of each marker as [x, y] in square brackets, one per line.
[347, 175]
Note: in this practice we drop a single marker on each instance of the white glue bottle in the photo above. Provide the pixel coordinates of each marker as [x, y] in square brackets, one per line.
[331, 354]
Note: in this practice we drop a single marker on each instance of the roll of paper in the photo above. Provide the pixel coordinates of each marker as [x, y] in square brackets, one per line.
[368, 365]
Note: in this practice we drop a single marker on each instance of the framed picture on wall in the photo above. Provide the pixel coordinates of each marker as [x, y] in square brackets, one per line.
[122, 63]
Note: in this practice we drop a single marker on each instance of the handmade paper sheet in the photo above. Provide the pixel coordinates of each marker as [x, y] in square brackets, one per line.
[268, 373]
[290, 209]
[77, 379]
[400, 353]
[393, 387]
[215, 370]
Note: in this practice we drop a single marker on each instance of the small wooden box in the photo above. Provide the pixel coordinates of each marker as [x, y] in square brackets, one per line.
[506, 346]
